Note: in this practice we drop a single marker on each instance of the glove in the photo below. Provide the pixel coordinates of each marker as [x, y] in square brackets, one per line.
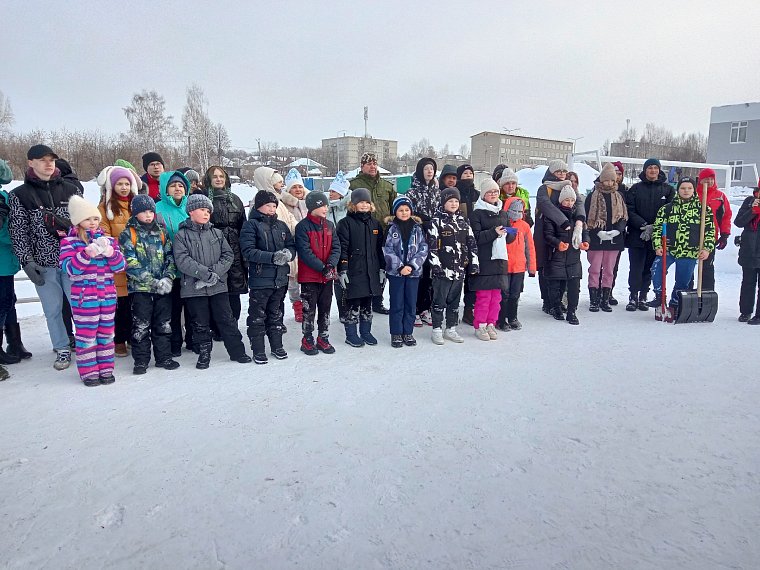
[164, 286]
[93, 250]
[584, 246]
[103, 242]
[108, 251]
[382, 277]
[343, 279]
[329, 273]
[510, 231]
[646, 233]
[281, 257]
[604, 236]
[563, 246]
[34, 273]
[613, 233]
[722, 241]
[577, 235]
[210, 282]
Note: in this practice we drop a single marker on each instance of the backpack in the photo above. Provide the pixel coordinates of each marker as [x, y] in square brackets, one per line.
[133, 235]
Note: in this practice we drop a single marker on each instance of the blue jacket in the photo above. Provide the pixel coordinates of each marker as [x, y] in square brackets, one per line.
[8, 261]
[397, 255]
[260, 238]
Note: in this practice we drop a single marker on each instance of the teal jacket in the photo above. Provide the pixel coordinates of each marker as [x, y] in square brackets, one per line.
[172, 213]
[8, 261]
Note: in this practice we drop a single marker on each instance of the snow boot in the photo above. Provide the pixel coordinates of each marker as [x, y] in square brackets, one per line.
[258, 349]
[571, 318]
[352, 338]
[613, 301]
[140, 368]
[633, 302]
[377, 307]
[365, 331]
[4, 375]
[107, 379]
[468, 317]
[397, 340]
[642, 304]
[743, 318]
[593, 294]
[452, 335]
[165, 364]
[323, 344]
[298, 311]
[15, 346]
[275, 346]
[308, 346]
[204, 356]
[657, 301]
[754, 320]
[7, 357]
[437, 336]
[557, 313]
[120, 349]
[90, 382]
[409, 340]
[604, 305]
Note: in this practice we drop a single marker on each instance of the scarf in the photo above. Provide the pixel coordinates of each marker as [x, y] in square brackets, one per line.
[483, 205]
[405, 229]
[597, 213]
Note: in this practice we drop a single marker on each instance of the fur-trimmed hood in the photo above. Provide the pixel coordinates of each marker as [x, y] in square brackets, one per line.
[389, 219]
[106, 188]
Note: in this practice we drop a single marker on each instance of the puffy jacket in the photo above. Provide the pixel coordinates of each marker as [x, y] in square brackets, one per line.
[452, 246]
[683, 221]
[149, 258]
[468, 196]
[547, 208]
[618, 242]
[361, 254]
[382, 191]
[643, 200]
[31, 240]
[261, 237]
[199, 250]
[91, 277]
[399, 254]
[8, 261]
[425, 197]
[114, 228]
[493, 272]
[748, 218]
[562, 264]
[173, 214]
[521, 252]
[317, 246]
[718, 203]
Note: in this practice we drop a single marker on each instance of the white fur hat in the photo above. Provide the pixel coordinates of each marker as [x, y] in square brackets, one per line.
[105, 181]
[80, 209]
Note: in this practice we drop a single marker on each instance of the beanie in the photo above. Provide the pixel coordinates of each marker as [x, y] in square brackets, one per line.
[507, 175]
[264, 197]
[567, 192]
[608, 173]
[515, 209]
[619, 166]
[652, 162]
[149, 157]
[80, 209]
[125, 164]
[195, 201]
[462, 168]
[276, 178]
[369, 157]
[315, 200]
[486, 185]
[177, 176]
[497, 172]
[360, 195]
[450, 194]
[401, 201]
[292, 178]
[339, 184]
[191, 175]
[557, 164]
[686, 179]
[142, 203]
[116, 173]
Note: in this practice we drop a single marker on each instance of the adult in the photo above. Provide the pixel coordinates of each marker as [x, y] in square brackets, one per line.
[644, 200]
[721, 209]
[574, 180]
[508, 187]
[748, 218]
[547, 206]
[383, 194]
[68, 174]
[126, 164]
[619, 171]
[154, 166]
[469, 195]
[39, 219]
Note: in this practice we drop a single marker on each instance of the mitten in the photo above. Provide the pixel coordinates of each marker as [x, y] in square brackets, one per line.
[281, 257]
[93, 250]
[343, 279]
[34, 273]
[577, 235]
[329, 273]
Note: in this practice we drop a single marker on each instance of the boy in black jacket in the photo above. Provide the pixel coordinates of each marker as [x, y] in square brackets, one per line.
[267, 244]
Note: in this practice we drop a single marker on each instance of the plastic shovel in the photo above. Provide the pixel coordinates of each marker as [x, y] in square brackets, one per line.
[663, 312]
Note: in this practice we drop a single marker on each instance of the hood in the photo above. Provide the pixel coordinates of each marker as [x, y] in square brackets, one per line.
[31, 178]
[207, 178]
[447, 169]
[163, 182]
[262, 179]
[420, 165]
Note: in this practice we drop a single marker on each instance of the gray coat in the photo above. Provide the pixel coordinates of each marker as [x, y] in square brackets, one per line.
[200, 250]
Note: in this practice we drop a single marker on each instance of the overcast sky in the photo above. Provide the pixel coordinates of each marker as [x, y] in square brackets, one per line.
[297, 72]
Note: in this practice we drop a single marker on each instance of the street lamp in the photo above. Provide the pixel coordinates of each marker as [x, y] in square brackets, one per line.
[574, 139]
[337, 147]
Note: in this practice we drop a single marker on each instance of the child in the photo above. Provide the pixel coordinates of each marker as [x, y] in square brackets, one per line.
[204, 257]
[563, 269]
[682, 216]
[508, 188]
[90, 259]
[268, 246]
[293, 198]
[118, 186]
[521, 257]
[493, 232]
[453, 251]
[150, 275]
[748, 218]
[405, 252]
[340, 196]
[362, 266]
[318, 253]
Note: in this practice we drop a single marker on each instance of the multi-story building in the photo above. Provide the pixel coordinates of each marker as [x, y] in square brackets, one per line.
[516, 151]
[734, 139]
[348, 150]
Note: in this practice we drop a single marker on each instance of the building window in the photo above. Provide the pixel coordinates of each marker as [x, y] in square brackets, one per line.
[736, 169]
[739, 132]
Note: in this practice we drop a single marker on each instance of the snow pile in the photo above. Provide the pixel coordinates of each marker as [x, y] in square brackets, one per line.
[530, 178]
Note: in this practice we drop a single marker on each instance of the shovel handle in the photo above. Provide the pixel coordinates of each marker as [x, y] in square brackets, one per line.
[702, 223]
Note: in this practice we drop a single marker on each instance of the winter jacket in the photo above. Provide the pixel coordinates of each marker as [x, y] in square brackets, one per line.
[262, 179]
[68, 174]
[468, 195]
[149, 257]
[718, 203]
[199, 250]
[521, 252]
[547, 208]
[383, 194]
[8, 261]
[643, 200]
[748, 218]
[618, 242]
[452, 246]
[317, 246]
[399, 254]
[154, 187]
[563, 264]
[683, 220]
[338, 209]
[173, 214]
[524, 195]
[261, 237]
[31, 240]
[294, 205]
[361, 254]
[114, 228]
[425, 197]
[91, 277]
[493, 272]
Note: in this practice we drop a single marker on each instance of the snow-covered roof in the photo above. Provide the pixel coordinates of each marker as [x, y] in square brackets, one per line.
[309, 163]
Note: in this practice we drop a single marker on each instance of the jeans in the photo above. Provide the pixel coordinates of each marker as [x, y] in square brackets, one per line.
[403, 291]
[684, 274]
[51, 297]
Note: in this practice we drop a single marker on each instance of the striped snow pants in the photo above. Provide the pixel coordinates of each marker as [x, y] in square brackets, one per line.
[94, 321]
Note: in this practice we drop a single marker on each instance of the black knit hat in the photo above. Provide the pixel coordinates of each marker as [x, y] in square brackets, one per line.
[264, 197]
[360, 195]
[449, 194]
[685, 179]
[462, 168]
[149, 157]
[142, 203]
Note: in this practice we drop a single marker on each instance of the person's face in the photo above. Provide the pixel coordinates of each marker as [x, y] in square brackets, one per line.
[468, 175]
[451, 206]
[428, 172]
[122, 187]
[297, 191]
[686, 191]
[43, 167]
[90, 224]
[194, 186]
[568, 203]
[509, 188]
[709, 180]
[334, 196]
[320, 212]
[268, 209]
[363, 207]
[574, 182]
[146, 217]
[176, 190]
[278, 185]
[560, 174]
[155, 169]
[217, 179]
[652, 173]
[200, 215]
[403, 213]
[619, 177]
[370, 168]
[450, 180]
[491, 197]
[608, 184]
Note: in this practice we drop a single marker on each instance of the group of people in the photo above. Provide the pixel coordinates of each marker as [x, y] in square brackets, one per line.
[174, 246]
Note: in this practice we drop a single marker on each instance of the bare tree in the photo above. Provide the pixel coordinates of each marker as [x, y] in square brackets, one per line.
[464, 150]
[6, 114]
[149, 125]
[198, 128]
[221, 141]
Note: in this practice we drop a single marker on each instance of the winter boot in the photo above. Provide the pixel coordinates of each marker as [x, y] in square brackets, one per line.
[365, 331]
[571, 318]
[613, 301]
[633, 302]
[482, 333]
[352, 338]
[452, 335]
[593, 294]
[308, 346]
[298, 311]
[557, 313]
[323, 344]
[657, 301]
[642, 305]
[168, 364]
[378, 307]
[397, 340]
[7, 357]
[754, 320]
[140, 368]
[259, 352]
[605, 303]
[512, 305]
[4, 374]
[744, 317]
[15, 346]
[120, 349]
[437, 336]
[275, 346]
[204, 355]
[409, 340]
[469, 316]
[90, 382]
[107, 379]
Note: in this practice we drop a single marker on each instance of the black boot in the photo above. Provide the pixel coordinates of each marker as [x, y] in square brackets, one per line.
[204, 355]
[468, 317]
[593, 294]
[557, 313]
[571, 318]
[642, 304]
[259, 352]
[275, 346]
[15, 346]
[514, 324]
[5, 357]
[604, 305]
[613, 301]
[4, 374]
[633, 302]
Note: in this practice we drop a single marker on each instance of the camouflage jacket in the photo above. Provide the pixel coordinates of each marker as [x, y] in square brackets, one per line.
[453, 247]
[149, 256]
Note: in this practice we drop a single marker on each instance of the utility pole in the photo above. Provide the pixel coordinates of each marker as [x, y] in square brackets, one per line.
[219, 144]
[366, 115]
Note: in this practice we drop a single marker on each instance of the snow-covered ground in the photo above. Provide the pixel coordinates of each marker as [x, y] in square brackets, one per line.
[621, 443]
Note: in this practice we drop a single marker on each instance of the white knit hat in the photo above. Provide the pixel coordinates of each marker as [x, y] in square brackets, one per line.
[80, 209]
[507, 175]
[292, 178]
[567, 192]
[486, 185]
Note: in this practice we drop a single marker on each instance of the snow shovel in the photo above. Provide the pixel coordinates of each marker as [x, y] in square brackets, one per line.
[700, 306]
[663, 312]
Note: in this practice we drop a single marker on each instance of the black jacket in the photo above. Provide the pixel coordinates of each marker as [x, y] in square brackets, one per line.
[749, 250]
[562, 264]
[644, 199]
[493, 272]
[618, 242]
[228, 216]
[468, 196]
[547, 208]
[361, 254]
[260, 238]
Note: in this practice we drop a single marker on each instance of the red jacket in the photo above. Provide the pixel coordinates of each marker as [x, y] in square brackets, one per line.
[521, 252]
[316, 246]
[717, 201]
